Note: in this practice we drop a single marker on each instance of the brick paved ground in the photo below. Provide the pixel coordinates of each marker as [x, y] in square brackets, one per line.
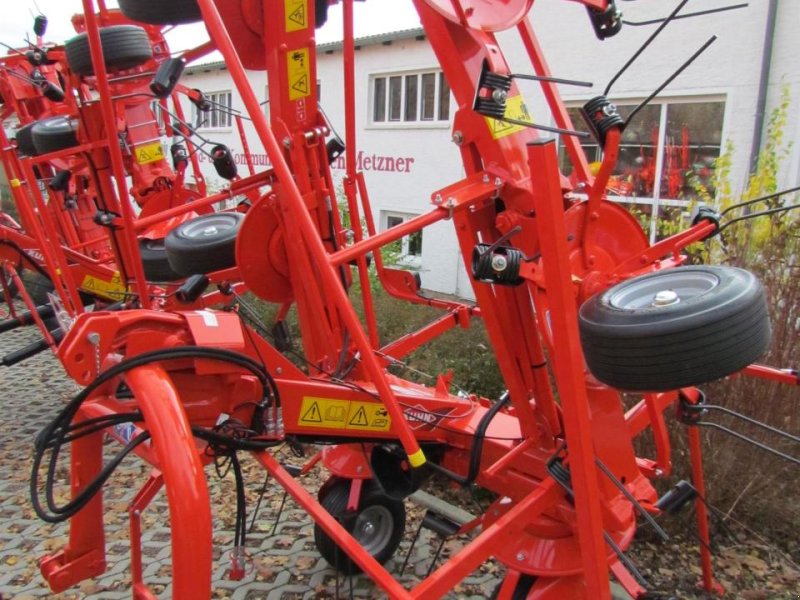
[284, 565]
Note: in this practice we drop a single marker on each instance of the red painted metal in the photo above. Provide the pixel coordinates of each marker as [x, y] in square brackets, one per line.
[184, 480]
[294, 248]
[568, 367]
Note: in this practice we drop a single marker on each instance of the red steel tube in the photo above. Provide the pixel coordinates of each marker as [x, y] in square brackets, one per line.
[184, 479]
[387, 237]
[129, 237]
[316, 249]
[568, 365]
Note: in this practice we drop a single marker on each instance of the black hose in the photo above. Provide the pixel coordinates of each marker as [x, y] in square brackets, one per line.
[476, 451]
[56, 433]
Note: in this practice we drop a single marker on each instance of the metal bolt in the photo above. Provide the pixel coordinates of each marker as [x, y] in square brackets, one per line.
[659, 473]
[610, 110]
[499, 262]
[451, 203]
[498, 182]
[93, 338]
[520, 556]
[485, 178]
[287, 142]
[210, 230]
[279, 370]
[437, 199]
[499, 96]
[665, 298]
[359, 468]
[458, 138]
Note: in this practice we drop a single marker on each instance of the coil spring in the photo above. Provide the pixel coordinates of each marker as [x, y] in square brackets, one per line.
[496, 265]
[601, 116]
[498, 86]
[223, 162]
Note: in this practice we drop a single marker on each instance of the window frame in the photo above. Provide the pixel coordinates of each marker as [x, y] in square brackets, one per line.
[658, 199]
[406, 259]
[215, 114]
[401, 119]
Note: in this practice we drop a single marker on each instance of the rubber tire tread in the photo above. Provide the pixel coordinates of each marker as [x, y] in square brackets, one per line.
[334, 499]
[155, 261]
[24, 137]
[49, 138]
[521, 590]
[124, 47]
[687, 350]
[161, 12]
[191, 256]
[37, 286]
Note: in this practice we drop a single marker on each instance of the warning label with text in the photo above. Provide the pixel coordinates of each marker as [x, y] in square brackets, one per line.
[149, 153]
[113, 290]
[299, 71]
[515, 109]
[332, 413]
[296, 15]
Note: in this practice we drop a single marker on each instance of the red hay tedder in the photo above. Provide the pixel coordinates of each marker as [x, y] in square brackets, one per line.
[139, 278]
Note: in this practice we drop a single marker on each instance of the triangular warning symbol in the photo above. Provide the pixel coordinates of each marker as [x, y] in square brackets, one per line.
[144, 155]
[312, 415]
[360, 418]
[301, 85]
[298, 16]
[500, 126]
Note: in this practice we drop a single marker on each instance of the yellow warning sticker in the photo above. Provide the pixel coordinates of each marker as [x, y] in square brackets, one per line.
[296, 14]
[515, 109]
[299, 73]
[112, 290]
[333, 413]
[149, 153]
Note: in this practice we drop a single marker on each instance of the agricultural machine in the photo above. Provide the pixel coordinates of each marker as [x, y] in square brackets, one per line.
[147, 274]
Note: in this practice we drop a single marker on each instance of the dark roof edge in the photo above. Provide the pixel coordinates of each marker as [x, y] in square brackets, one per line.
[369, 40]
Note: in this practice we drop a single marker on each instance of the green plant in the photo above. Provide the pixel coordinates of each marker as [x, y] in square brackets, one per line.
[748, 484]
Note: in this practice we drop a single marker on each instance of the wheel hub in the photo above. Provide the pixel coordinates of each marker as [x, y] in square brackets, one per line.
[373, 528]
[665, 298]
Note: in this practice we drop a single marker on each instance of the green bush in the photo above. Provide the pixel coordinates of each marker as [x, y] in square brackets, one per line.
[748, 484]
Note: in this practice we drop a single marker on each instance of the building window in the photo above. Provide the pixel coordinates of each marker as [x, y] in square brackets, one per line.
[410, 97]
[220, 114]
[407, 249]
[666, 153]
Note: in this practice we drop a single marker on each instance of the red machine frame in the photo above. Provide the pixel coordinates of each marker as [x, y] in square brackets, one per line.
[293, 249]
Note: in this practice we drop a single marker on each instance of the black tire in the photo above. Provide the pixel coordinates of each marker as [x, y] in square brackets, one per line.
[13, 291]
[161, 12]
[521, 590]
[37, 286]
[675, 328]
[155, 261]
[53, 134]
[378, 524]
[320, 13]
[24, 137]
[204, 244]
[124, 47]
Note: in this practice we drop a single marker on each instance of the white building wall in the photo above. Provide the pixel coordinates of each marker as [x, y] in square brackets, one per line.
[426, 157]
[729, 70]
